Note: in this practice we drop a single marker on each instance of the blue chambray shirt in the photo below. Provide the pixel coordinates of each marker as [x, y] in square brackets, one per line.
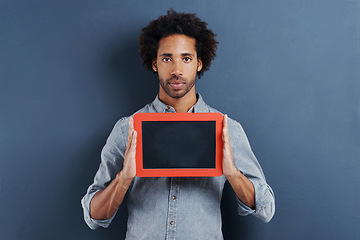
[173, 207]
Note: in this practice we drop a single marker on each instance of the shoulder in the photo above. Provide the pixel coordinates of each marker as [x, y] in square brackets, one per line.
[122, 125]
[233, 124]
[204, 107]
[235, 127]
[119, 132]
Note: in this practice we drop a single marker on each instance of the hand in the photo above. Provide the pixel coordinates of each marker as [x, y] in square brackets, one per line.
[242, 186]
[129, 168]
[229, 168]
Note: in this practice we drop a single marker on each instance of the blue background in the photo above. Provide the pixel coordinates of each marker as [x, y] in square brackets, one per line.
[288, 70]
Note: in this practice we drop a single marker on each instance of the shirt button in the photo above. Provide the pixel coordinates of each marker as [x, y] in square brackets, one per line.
[174, 197]
[167, 108]
[172, 223]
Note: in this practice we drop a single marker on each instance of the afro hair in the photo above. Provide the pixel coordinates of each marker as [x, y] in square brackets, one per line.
[178, 23]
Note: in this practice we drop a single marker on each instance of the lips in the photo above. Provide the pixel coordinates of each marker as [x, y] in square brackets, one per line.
[176, 84]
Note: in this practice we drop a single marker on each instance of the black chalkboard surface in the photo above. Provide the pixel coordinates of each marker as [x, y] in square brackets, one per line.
[178, 144]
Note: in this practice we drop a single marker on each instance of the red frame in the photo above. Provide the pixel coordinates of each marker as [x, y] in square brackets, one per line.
[187, 172]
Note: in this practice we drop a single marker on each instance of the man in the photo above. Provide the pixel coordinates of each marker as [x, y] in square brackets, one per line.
[177, 47]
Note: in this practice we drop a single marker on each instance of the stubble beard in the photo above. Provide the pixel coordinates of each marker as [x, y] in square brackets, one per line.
[173, 93]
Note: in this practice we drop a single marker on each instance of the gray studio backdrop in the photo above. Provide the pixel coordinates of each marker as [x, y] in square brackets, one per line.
[288, 70]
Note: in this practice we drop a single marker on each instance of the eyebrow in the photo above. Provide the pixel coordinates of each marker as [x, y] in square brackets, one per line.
[170, 54]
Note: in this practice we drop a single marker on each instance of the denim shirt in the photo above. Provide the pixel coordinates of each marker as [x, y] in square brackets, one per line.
[178, 207]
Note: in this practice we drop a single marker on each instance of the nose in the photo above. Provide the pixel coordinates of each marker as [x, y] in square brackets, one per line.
[177, 69]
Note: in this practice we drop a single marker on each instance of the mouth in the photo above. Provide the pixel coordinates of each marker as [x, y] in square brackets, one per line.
[176, 84]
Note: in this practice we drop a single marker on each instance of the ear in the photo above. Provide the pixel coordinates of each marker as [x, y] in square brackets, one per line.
[154, 66]
[199, 65]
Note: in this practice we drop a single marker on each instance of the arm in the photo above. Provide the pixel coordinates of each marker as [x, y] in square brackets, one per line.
[106, 202]
[244, 173]
[242, 186]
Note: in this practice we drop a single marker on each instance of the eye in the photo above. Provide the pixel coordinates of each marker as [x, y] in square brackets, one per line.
[166, 59]
[187, 59]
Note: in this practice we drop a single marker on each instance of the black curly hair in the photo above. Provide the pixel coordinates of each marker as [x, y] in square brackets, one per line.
[178, 23]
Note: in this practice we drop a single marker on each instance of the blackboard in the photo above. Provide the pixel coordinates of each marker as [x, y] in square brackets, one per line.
[178, 144]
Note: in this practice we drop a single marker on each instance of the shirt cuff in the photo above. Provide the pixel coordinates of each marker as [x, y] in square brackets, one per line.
[243, 209]
[93, 223]
[265, 203]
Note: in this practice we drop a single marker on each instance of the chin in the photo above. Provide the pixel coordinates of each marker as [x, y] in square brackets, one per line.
[176, 96]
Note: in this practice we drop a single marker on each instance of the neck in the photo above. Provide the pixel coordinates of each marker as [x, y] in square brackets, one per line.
[181, 105]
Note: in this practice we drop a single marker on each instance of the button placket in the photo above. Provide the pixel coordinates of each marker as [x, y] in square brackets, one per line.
[169, 109]
[172, 211]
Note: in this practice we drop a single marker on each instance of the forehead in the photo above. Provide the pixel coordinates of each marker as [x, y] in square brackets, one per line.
[177, 44]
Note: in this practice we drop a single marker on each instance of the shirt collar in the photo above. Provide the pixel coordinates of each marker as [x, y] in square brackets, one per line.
[199, 106]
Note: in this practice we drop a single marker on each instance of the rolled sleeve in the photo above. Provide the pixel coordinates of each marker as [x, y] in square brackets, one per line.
[264, 201]
[112, 157]
[93, 223]
[246, 162]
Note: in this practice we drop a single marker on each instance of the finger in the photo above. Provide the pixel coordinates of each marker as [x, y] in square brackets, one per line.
[133, 141]
[131, 123]
[131, 129]
[129, 166]
[226, 138]
[225, 134]
[131, 144]
[227, 150]
[225, 120]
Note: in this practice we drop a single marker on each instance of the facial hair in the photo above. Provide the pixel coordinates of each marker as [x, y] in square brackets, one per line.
[174, 93]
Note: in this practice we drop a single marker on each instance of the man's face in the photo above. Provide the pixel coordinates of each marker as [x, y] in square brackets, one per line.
[177, 65]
